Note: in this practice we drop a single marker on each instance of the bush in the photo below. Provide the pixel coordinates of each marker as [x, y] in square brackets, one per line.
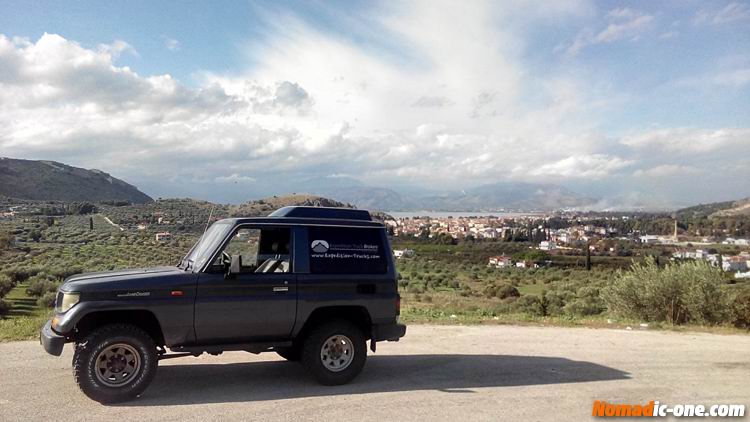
[4, 307]
[678, 293]
[502, 291]
[741, 309]
[47, 300]
[39, 285]
[530, 304]
[587, 302]
[6, 285]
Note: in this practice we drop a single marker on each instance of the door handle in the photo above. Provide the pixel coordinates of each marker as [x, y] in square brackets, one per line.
[281, 289]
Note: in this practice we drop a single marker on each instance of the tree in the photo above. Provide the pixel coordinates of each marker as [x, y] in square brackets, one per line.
[588, 256]
[35, 235]
[6, 240]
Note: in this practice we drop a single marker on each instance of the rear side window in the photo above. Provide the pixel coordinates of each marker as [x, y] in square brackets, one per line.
[342, 250]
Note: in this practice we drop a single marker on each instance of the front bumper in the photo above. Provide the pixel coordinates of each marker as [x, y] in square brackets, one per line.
[51, 341]
[388, 332]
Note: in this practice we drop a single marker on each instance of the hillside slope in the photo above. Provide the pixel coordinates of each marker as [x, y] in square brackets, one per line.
[263, 207]
[737, 208]
[49, 180]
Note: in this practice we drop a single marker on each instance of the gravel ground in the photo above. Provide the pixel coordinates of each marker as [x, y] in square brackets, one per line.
[434, 373]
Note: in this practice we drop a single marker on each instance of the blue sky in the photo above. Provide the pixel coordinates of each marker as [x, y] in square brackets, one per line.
[634, 102]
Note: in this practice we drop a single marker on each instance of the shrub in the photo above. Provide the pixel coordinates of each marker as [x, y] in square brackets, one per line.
[39, 285]
[6, 285]
[4, 307]
[530, 304]
[678, 293]
[502, 291]
[553, 302]
[741, 309]
[47, 300]
[587, 302]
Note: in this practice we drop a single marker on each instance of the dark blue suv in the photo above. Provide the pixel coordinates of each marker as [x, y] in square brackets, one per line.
[311, 284]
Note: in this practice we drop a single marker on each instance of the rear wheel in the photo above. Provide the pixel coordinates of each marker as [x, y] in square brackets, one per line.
[335, 352]
[115, 363]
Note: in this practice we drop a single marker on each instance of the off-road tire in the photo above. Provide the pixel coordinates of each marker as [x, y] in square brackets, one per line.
[292, 353]
[311, 352]
[85, 365]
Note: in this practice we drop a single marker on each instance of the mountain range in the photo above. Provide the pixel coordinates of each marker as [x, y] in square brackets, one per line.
[491, 197]
[50, 180]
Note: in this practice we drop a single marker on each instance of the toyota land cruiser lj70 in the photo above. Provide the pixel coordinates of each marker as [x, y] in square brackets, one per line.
[311, 284]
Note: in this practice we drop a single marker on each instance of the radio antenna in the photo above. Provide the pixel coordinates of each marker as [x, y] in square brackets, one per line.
[210, 214]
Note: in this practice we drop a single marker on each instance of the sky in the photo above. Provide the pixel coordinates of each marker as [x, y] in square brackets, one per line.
[632, 102]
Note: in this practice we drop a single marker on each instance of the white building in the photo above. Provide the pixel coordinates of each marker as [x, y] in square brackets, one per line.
[500, 261]
[547, 245]
[163, 237]
[403, 253]
[649, 239]
[733, 263]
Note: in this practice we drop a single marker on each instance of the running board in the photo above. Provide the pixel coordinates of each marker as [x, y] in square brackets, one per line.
[233, 347]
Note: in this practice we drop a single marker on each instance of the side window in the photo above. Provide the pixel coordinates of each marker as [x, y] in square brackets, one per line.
[264, 250]
[342, 250]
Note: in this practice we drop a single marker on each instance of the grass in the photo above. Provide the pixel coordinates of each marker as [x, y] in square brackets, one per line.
[434, 316]
[25, 317]
[531, 289]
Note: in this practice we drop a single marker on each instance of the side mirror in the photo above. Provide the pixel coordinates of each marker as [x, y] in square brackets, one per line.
[235, 267]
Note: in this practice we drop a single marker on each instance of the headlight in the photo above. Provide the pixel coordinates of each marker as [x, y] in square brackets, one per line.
[68, 301]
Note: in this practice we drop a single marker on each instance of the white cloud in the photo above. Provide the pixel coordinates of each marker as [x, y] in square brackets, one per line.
[732, 12]
[235, 178]
[623, 13]
[450, 109]
[113, 50]
[689, 141]
[583, 166]
[172, 44]
[623, 24]
[666, 170]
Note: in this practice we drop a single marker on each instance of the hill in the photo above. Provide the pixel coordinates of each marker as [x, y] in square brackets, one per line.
[263, 207]
[50, 180]
[491, 197]
[737, 208]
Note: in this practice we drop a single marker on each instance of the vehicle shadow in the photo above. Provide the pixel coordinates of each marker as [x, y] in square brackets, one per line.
[274, 380]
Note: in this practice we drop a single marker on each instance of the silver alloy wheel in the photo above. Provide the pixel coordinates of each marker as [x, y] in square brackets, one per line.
[117, 365]
[337, 353]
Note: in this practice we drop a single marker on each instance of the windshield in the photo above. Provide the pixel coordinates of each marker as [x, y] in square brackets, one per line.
[201, 252]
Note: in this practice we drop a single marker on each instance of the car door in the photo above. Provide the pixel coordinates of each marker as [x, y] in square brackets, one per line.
[256, 303]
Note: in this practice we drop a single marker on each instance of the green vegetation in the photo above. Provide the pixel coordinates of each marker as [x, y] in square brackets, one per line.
[684, 292]
[447, 281]
[451, 283]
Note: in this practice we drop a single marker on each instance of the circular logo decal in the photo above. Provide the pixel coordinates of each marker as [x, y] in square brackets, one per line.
[319, 246]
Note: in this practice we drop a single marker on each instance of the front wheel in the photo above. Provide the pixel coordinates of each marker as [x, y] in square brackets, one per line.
[115, 363]
[335, 353]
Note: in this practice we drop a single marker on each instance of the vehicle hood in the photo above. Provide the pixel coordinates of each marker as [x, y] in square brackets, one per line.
[127, 280]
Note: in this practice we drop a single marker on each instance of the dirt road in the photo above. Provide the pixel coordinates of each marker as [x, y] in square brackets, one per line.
[435, 373]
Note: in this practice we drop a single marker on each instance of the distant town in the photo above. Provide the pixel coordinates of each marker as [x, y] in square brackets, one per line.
[602, 235]
[722, 242]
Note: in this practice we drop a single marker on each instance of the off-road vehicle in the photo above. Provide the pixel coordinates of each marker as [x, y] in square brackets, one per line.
[311, 284]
